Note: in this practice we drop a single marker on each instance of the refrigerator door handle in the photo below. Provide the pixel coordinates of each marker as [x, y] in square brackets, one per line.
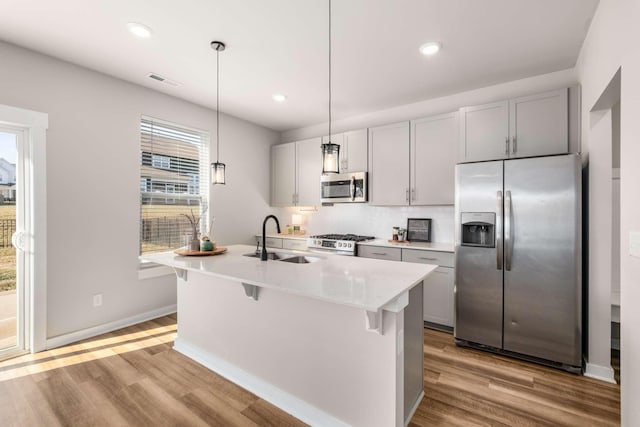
[508, 212]
[499, 232]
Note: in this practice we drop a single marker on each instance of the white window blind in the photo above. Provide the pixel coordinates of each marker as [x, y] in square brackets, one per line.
[174, 180]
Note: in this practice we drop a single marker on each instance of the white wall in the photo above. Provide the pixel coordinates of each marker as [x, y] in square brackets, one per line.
[612, 43]
[93, 183]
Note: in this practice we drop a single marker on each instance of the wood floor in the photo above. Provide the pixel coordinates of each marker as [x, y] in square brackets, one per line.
[132, 377]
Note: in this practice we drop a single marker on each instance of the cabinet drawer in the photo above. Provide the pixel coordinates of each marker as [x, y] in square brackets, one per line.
[273, 242]
[378, 252]
[294, 244]
[443, 259]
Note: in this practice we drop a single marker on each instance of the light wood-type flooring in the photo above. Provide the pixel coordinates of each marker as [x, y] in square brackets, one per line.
[132, 377]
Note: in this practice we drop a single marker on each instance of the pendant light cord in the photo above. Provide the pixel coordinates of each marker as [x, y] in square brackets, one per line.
[329, 70]
[217, 105]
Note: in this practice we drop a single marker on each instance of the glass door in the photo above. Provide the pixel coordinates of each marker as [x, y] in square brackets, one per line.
[12, 291]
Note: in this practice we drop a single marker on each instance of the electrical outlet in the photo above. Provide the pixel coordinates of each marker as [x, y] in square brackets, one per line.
[97, 300]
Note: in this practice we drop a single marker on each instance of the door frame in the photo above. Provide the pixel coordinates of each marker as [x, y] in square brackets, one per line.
[34, 126]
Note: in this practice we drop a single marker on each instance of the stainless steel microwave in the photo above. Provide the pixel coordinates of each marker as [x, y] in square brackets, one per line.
[348, 187]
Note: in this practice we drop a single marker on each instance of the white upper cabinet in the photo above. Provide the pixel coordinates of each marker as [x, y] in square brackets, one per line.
[433, 159]
[539, 124]
[283, 174]
[389, 165]
[308, 171]
[484, 132]
[353, 150]
[528, 126]
[295, 173]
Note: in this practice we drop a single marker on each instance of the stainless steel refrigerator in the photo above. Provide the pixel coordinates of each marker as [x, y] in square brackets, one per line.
[518, 258]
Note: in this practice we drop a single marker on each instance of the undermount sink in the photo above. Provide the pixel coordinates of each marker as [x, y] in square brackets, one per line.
[284, 257]
[301, 259]
[270, 255]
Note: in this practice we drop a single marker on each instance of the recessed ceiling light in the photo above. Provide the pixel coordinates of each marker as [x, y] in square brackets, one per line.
[430, 48]
[278, 97]
[139, 30]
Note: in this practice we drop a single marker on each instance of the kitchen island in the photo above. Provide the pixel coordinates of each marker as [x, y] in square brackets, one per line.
[334, 342]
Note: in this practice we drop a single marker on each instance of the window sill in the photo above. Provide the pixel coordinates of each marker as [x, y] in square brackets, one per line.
[149, 270]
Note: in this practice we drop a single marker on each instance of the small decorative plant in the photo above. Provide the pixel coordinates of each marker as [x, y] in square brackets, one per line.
[195, 224]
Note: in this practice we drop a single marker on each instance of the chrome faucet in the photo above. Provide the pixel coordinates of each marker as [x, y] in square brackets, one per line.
[263, 256]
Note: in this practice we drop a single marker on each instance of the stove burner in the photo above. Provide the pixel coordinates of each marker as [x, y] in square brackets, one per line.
[346, 237]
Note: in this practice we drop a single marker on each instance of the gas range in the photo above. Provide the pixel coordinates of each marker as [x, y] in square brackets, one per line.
[343, 244]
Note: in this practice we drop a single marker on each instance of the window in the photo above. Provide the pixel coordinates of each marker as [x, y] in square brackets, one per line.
[174, 178]
[161, 162]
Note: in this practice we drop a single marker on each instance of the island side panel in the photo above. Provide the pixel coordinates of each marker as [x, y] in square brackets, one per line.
[319, 352]
[413, 351]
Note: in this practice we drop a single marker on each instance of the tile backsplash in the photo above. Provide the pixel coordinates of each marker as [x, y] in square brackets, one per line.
[361, 218]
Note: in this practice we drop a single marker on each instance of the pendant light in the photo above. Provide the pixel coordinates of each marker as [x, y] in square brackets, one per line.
[330, 151]
[217, 168]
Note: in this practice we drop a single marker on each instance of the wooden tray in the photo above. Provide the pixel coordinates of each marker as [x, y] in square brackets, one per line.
[399, 242]
[187, 252]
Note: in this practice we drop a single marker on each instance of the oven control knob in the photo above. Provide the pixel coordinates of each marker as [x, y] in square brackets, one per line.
[350, 244]
[339, 244]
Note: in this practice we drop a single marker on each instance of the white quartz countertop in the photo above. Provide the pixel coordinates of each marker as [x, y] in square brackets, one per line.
[426, 246]
[363, 283]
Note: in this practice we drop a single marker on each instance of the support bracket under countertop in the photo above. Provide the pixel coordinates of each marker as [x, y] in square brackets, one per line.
[251, 291]
[374, 318]
[181, 273]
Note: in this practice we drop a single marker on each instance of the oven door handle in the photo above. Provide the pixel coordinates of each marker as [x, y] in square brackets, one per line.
[353, 188]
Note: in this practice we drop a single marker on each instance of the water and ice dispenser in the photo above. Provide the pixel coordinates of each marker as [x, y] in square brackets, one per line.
[478, 229]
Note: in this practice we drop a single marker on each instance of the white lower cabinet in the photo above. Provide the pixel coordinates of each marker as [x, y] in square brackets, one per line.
[439, 285]
[438, 297]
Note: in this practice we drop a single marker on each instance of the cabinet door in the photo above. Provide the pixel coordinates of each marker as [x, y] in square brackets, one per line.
[283, 174]
[484, 132]
[338, 138]
[389, 165]
[309, 169]
[355, 147]
[433, 159]
[438, 297]
[539, 124]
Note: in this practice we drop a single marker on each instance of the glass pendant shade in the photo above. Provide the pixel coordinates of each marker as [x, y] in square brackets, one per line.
[217, 173]
[330, 158]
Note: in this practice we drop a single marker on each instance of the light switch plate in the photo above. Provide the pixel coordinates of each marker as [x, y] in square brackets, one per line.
[634, 243]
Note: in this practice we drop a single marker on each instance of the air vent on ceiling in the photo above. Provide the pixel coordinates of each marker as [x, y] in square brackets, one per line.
[161, 79]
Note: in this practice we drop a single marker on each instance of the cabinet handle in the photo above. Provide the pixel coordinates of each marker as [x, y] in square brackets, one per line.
[439, 272]
[515, 145]
[413, 194]
[407, 195]
[506, 146]
[427, 258]
[379, 253]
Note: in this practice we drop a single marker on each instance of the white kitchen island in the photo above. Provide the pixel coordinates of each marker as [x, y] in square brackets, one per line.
[336, 342]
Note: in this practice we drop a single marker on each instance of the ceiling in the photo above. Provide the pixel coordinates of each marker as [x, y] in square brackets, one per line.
[281, 46]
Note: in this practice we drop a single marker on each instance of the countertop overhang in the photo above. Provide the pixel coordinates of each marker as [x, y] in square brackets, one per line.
[362, 283]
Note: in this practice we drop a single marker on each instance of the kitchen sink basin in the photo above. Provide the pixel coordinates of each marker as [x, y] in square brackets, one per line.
[270, 255]
[301, 259]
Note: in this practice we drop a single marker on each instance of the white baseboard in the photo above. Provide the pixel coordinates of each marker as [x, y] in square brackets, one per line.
[414, 408]
[280, 398]
[83, 334]
[602, 373]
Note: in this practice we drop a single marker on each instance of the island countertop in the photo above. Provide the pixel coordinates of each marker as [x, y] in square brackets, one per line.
[352, 281]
